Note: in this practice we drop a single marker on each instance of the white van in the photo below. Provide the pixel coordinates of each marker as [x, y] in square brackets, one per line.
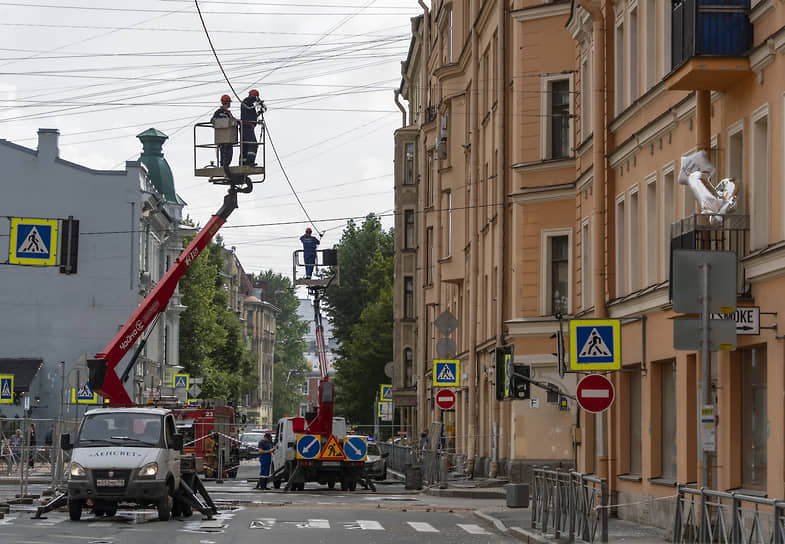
[124, 455]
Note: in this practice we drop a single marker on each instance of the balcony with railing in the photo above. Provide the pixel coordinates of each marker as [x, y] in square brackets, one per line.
[714, 232]
[710, 41]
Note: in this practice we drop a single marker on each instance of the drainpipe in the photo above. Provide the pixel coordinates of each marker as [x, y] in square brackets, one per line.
[594, 7]
[474, 240]
[501, 185]
[422, 314]
[400, 107]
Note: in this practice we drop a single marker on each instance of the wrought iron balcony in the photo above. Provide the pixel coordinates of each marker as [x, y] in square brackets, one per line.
[710, 40]
[714, 232]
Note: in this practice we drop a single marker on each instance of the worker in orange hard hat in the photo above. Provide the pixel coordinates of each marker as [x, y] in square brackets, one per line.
[225, 150]
[310, 244]
[251, 110]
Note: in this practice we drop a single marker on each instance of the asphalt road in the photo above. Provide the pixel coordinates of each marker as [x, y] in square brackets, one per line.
[317, 515]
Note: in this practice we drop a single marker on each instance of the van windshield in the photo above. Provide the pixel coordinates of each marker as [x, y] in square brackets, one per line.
[121, 428]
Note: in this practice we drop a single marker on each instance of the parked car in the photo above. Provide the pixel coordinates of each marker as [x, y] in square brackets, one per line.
[376, 462]
[249, 443]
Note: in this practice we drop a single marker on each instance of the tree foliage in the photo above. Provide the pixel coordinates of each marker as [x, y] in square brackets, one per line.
[361, 310]
[289, 365]
[212, 341]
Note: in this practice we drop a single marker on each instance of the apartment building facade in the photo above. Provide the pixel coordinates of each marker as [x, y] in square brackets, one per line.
[557, 192]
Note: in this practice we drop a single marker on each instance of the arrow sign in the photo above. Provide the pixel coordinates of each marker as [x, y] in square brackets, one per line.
[595, 393]
[355, 448]
[308, 446]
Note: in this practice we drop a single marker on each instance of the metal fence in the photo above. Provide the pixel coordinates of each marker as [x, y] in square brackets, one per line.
[570, 503]
[30, 451]
[703, 515]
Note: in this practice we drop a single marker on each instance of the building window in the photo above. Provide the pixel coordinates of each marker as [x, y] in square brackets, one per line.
[636, 459]
[668, 443]
[650, 39]
[633, 48]
[408, 363]
[560, 119]
[586, 97]
[408, 229]
[408, 174]
[449, 34]
[556, 271]
[621, 248]
[619, 65]
[759, 174]
[754, 425]
[430, 179]
[665, 37]
[736, 160]
[668, 213]
[408, 297]
[429, 265]
[650, 250]
[634, 242]
[586, 271]
[449, 224]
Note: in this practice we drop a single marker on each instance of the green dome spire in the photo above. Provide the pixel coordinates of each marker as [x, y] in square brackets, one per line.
[153, 158]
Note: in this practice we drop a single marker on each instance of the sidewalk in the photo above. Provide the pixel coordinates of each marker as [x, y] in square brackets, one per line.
[517, 521]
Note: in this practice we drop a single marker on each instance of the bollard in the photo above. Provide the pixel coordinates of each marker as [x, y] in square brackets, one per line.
[443, 472]
[413, 477]
[517, 495]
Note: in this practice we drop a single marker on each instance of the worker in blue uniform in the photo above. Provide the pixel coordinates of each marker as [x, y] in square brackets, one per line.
[224, 150]
[265, 460]
[251, 110]
[310, 244]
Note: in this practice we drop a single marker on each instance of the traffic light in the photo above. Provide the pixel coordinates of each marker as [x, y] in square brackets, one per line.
[520, 386]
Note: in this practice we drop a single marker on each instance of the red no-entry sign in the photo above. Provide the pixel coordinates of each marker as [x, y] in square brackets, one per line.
[595, 393]
[445, 399]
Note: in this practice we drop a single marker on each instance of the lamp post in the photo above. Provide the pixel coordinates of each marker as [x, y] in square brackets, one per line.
[559, 309]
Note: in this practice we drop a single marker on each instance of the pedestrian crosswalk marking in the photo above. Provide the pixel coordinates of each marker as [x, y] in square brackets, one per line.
[364, 525]
[422, 527]
[595, 346]
[311, 524]
[263, 523]
[473, 528]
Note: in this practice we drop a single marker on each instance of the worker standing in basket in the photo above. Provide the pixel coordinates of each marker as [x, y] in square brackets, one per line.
[225, 150]
[309, 252]
[251, 110]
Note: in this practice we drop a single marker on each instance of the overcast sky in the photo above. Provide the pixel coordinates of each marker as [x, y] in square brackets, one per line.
[102, 72]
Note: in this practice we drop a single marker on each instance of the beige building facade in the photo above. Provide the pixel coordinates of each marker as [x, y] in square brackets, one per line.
[546, 140]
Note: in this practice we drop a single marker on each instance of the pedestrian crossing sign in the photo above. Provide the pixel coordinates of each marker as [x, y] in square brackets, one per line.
[595, 344]
[445, 373]
[180, 381]
[7, 388]
[33, 241]
[332, 451]
[386, 391]
[84, 395]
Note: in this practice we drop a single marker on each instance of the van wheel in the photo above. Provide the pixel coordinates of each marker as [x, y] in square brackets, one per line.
[75, 509]
[165, 506]
[352, 485]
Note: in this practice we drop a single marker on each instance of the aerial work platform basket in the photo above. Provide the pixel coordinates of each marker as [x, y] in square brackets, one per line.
[325, 258]
[211, 136]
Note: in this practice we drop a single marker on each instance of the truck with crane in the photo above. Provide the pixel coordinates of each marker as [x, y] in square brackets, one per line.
[316, 447]
[124, 453]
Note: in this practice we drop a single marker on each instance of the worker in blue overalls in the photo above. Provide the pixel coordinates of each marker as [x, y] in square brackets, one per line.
[265, 460]
[250, 110]
[310, 244]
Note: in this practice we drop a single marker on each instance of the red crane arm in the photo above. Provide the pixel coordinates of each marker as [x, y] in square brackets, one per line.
[154, 303]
